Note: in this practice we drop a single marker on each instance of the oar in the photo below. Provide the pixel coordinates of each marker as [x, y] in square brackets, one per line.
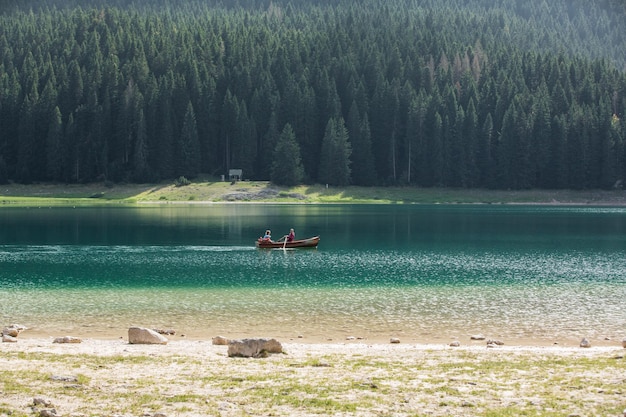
[285, 243]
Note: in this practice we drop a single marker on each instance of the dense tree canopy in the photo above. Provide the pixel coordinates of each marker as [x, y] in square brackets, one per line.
[478, 93]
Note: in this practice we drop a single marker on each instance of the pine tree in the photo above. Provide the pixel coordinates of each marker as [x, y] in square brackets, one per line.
[26, 143]
[4, 177]
[286, 165]
[140, 156]
[335, 157]
[189, 146]
[363, 172]
[541, 129]
[484, 158]
[470, 136]
[54, 149]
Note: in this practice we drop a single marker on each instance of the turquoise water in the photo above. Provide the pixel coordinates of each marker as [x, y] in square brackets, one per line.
[422, 273]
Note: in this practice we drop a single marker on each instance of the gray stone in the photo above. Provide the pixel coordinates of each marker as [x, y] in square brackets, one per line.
[456, 343]
[13, 330]
[143, 336]
[253, 348]
[167, 332]
[42, 402]
[63, 378]
[477, 337]
[495, 342]
[9, 339]
[220, 340]
[585, 343]
[394, 340]
[67, 339]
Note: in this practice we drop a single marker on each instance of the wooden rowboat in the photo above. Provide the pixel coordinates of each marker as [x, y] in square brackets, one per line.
[302, 243]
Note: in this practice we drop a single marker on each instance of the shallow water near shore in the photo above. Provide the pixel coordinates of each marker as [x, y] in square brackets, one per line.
[521, 274]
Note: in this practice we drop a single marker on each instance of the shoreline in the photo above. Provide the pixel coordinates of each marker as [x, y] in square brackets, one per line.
[211, 191]
[330, 337]
[107, 347]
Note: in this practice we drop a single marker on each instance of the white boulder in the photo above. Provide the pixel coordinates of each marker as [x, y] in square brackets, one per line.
[143, 336]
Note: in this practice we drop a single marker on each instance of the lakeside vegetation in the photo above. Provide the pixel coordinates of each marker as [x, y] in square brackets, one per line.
[207, 190]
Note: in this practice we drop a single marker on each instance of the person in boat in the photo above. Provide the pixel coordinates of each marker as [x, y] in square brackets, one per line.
[290, 237]
[268, 235]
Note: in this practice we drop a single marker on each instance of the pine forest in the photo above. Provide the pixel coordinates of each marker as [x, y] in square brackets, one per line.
[503, 94]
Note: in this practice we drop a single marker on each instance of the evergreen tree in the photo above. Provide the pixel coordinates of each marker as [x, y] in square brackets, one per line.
[268, 147]
[335, 156]
[286, 166]
[4, 178]
[140, 156]
[484, 159]
[165, 156]
[189, 146]
[558, 171]
[26, 143]
[54, 148]
[363, 172]
[470, 136]
[541, 130]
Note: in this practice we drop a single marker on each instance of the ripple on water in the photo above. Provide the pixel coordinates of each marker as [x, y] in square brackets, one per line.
[507, 294]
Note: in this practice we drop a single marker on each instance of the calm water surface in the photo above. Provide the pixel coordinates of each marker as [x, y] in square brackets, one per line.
[523, 274]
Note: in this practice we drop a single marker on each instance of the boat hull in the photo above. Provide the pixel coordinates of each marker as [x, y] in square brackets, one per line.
[311, 242]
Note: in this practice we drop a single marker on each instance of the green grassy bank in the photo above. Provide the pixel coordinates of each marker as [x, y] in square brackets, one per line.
[207, 190]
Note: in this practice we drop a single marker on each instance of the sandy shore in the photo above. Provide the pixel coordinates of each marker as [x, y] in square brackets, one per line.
[196, 378]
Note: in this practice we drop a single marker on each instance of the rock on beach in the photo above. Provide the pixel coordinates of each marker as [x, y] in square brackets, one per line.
[67, 339]
[219, 341]
[144, 336]
[253, 348]
[13, 330]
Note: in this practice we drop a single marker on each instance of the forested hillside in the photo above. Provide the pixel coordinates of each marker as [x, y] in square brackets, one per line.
[499, 94]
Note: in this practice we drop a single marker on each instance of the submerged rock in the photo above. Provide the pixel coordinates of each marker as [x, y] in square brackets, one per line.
[143, 336]
[456, 343]
[253, 348]
[8, 339]
[477, 337]
[394, 340]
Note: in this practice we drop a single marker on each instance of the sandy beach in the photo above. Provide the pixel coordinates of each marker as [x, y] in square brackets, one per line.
[196, 378]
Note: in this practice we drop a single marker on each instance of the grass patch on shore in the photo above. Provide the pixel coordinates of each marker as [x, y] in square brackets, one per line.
[210, 190]
[410, 383]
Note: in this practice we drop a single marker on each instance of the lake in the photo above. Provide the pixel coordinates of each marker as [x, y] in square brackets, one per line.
[423, 273]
